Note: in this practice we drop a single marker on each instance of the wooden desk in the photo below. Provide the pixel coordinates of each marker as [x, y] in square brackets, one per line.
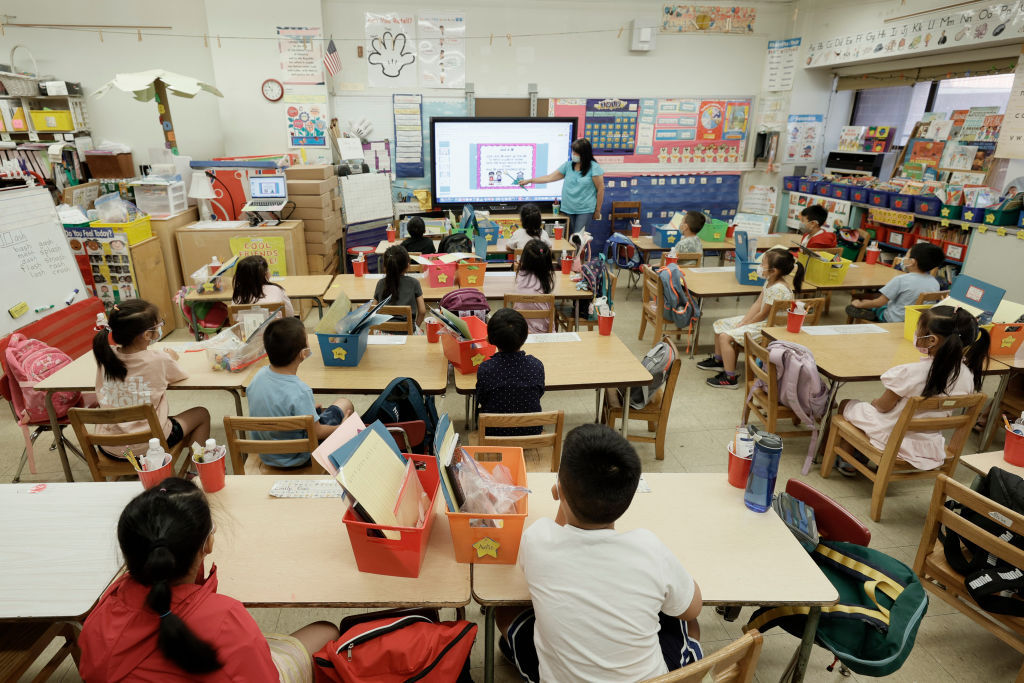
[557, 247]
[862, 276]
[1012, 365]
[983, 462]
[80, 375]
[611, 364]
[60, 546]
[720, 552]
[295, 552]
[310, 287]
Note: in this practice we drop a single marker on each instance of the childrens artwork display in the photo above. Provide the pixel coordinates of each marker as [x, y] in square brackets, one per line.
[391, 59]
[707, 19]
[270, 248]
[610, 125]
[307, 121]
[442, 50]
[109, 262]
[803, 138]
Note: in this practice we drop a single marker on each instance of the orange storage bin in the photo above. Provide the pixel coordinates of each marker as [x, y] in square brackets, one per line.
[471, 274]
[467, 355]
[403, 556]
[498, 544]
[1006, 339]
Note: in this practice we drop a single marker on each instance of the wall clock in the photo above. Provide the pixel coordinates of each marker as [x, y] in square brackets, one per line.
[272, 89]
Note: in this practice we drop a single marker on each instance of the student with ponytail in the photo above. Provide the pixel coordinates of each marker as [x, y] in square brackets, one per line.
[252, 285]
[954, 349]
[403, 289]
[164, 620]
[130, 373]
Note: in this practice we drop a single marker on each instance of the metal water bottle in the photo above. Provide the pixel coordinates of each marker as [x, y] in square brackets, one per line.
[763, 470]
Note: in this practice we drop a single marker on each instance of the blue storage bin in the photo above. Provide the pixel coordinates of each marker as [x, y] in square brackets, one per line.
[342, 350]
[927, 206]
[840, 191]
[823, 189]
[879, 198]
[791, 183]
[665, 237]
[746, 266]
[489, 230]
[807, 186]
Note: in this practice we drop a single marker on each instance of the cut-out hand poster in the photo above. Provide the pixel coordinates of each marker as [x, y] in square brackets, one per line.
[391, 50]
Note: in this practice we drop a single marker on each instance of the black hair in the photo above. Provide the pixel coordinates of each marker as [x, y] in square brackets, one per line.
[582, 147]
[964, 342]
[785, 263]
[694, 221]
[396, 262]
[127, 320]
[251, 274]
[927, 255]
[536, 259]
[530, 219]
[815, 212]
[160, 533]
[507, 329]
[415, 227]
[598, 474]
[284, 339]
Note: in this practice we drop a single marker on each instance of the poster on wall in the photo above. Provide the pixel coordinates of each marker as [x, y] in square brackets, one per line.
[1011, 139]
[707, 19]
[760, 199]
[110, 262]
[610, 125]
[270, 248]
[838, 210]
[408, 135]
[301, 59]
[803, 138]
[772, 111]
[307, 120]
[780, 64]
[442, 50]
[391, 50]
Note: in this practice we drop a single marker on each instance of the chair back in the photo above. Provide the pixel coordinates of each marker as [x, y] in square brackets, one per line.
[533, 312]
[408, 435]
[763, 370]
[668, 389]
[651, 289]
[400, 326]
[829, 250]
[239, 445]
[930, 297]
[734, 663]
[624, 210]
[235, 310]
[814, 308]
[691, 258]
[835, 523]
[960, 422]
[101, 465]
[551, 439]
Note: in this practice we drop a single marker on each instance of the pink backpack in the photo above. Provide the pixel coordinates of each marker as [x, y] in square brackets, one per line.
[30, 361]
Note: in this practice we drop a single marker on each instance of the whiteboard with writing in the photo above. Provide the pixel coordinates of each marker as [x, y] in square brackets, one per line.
[38, 270]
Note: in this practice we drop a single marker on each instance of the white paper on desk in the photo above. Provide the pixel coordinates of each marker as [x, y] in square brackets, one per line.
[642, 486]
[546, 337]
[822, 330]
[1008, 312]
[956, 303]
[373, 476]
[374, 276]
[351, 426]
[305, 488]
[717, 269]
[386, 339]
[456, 256]
[507, 273]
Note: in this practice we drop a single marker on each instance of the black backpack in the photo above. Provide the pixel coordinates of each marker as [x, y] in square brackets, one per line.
[403, 401]
[454, 243]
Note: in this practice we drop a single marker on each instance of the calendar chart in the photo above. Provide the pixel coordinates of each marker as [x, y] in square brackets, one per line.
[610, 125]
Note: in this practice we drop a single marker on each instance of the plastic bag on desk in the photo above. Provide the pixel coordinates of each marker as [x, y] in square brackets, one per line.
[234, 355]
[483, 492]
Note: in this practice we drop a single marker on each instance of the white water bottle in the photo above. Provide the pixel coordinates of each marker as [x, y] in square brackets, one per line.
[154, 457]
[210, 450]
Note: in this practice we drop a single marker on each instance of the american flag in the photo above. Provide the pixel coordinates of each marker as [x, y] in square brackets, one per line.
[331, 59]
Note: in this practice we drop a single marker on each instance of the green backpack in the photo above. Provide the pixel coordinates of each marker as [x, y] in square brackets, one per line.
[873, 626]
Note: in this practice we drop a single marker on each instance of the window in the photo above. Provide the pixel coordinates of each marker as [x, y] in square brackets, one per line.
[975, 91]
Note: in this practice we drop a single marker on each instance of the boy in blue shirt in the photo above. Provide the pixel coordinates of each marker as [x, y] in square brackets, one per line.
[902, 290]
[276, 391]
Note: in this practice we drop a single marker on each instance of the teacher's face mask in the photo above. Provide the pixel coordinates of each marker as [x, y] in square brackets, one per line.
[575, 158]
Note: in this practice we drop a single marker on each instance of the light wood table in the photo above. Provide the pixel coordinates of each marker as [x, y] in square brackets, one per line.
[80, 375]
[723, 552]
[594, 362]
[60, 547]
[557, 247]
[983, 462]
[861, 276]
[1012, 365]
[295, 552]
[310, 287]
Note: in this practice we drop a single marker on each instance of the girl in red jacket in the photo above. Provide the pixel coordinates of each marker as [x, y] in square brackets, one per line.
[163, 621]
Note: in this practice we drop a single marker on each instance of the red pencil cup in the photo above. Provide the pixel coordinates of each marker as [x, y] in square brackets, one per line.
[739, 469]
[670, 257]
[566, 266]
[151, 478]
[794, 321]
[871, 255]
[391, 234]
[212, 474]
[604, 324]
[635, 231]
[559, 232]
[1013, 449]
[433, 330]
[359, 268]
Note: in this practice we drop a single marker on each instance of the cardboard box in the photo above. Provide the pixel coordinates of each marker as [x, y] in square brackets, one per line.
[336, 203]
[317, 213]
[309, 172]
[313, 201]
[301, 187]
[323, 237]
[324, 224]
[322, 249]
[82, 195]
[110, 165]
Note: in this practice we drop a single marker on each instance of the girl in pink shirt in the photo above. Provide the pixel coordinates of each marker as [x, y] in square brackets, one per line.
[252, 285]
[534, 277]
[130, 373]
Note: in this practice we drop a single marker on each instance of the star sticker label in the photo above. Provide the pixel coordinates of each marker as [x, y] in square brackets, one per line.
[486, 547]
[752, 276]
[1006, 343]
[442, 278]
[339, 353]
[478, 359]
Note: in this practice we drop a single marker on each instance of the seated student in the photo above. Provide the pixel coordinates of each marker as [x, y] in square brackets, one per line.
[510, 381]
[252, 285]
[534, 277]
[416, 242]
[403, 289]
[165, 621]
[531, 228]
[812, 225]
[689, 243]
[276, 391]
[607, 606]
[902, 290]
[775, 265]
[955, 349]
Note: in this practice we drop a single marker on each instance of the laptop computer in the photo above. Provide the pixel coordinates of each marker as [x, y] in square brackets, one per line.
[266, 193]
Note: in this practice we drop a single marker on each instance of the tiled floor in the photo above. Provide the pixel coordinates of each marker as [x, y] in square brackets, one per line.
[949, 646]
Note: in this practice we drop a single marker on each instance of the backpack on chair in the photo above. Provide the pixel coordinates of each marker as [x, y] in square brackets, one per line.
[466, 301]
[30, 361]
[403, 400]
[595, 276]
[454, 243]
[658, 362]
[680, 306]
[621, 251]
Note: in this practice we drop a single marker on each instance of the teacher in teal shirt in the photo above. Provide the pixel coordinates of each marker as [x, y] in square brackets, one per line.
[582, 191]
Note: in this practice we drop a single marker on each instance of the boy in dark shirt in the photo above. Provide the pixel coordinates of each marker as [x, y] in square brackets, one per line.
[510, 381]
[416, 242]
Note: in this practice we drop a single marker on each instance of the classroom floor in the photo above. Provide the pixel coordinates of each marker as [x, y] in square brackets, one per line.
[949, 646]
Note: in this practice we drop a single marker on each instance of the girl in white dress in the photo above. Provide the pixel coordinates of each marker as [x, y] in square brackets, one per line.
[955, 349]
[775, 266]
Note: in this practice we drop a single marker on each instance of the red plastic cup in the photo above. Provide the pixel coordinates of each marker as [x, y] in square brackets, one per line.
[391, 234]
[739, 470]
[151, 478]
[670, 258]
[433, 331]
[635, 231]
[871, 255]
[559, 232]
[604, 324]
[212, 474]
[1013, 450]
[359, 268]
[794, 321]
[566, 266]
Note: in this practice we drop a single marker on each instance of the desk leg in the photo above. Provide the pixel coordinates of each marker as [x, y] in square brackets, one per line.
[823, 426]
[993, 413]
[576, 313]
[319, 307]
[625, 413]
[597, 412]
[696, 332]
[238, 401]
[488, 644]
[806, 643]
[58, 437]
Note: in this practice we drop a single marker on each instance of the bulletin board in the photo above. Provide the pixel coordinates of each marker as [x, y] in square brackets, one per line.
[660, 197]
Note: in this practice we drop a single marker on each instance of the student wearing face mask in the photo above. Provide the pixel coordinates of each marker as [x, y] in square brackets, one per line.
[277, 391]
[812, 225]
[582, 192]
[954, 350]
[129, 373]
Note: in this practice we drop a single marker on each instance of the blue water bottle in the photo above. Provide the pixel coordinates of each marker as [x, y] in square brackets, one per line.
[764, 468]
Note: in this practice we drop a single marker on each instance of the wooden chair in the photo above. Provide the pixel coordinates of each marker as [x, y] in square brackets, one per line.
[103, 466]
[947, 584]
[239, 446]
[734, 663]
[397, 326]
[234, 310]
[844, 440]
[652, 302]
[930, 297]
[814, 308]
[548, 313]
[552, 440]
[686, 260]
[655, 413]
[624, 211]
[764, 402]
[565, 319]
[21, 643]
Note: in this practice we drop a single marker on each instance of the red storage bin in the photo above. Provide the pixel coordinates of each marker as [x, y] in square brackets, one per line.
[901, 238]
[467, 355]
[954, 250]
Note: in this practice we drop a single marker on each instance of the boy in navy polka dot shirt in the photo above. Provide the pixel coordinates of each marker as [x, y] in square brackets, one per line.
[510, 381]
